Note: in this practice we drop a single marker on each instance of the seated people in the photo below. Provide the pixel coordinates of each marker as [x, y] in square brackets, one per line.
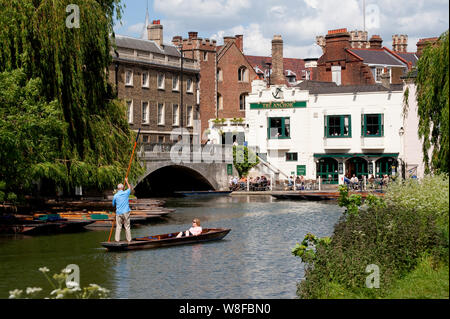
[195, 230]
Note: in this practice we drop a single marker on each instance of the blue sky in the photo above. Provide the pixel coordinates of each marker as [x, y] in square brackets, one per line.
[298, 21]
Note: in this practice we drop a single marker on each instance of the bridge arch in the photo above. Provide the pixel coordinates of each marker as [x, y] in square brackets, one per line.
[163, 178]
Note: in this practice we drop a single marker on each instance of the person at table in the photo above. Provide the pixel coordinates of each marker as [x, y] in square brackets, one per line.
[195, 230]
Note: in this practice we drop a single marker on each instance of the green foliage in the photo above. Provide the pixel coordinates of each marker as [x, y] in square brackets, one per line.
[433, 104]
[59, 119]
[306, 250]
[392, 233]
[352, 202]
[240, 159]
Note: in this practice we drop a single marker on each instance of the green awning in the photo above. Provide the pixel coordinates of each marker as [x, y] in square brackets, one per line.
[349, 155]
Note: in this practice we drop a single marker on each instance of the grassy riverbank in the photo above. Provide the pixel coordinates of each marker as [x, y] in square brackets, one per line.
[397, 245]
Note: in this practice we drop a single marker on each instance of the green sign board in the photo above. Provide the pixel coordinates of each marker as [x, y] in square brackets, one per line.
[301, 170]
[277, 105]
[230, 169]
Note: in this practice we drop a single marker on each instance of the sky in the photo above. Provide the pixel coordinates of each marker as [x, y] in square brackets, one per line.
[297, 21]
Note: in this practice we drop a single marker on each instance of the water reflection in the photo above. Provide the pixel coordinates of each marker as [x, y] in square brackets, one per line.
[253, 261]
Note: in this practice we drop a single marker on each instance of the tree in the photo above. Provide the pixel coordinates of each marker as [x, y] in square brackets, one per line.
[432, 103]
[241, 156]
[66, 69]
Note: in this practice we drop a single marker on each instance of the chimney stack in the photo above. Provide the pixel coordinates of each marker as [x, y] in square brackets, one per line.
[155, 32]
[423, 43]
[240, 42]
[193, 35]
[228, 39]
[399, 43]
[277, 61]
[177, 40]
[336, 41]
[376, 42]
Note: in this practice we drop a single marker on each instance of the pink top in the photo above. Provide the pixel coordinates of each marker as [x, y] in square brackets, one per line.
[195, 230]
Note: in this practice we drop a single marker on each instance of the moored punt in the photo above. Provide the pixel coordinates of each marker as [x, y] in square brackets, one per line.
[24, 224]
[29, 229]
[164, 240]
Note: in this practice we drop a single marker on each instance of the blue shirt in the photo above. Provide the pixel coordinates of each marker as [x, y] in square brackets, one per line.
[120, 200]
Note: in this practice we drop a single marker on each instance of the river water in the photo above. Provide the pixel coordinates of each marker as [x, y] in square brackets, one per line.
[253, 261]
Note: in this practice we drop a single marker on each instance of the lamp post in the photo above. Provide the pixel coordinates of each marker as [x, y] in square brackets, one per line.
[181, 86]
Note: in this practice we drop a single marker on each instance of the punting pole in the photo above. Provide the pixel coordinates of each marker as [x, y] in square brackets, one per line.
[126, 176]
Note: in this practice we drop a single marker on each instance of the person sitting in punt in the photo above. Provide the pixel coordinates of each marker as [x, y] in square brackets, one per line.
[195, 230]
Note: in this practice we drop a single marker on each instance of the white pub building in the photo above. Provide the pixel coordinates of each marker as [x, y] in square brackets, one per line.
[320, 129]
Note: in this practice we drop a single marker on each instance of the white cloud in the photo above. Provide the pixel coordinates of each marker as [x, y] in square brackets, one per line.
[298, 21]
[136, 28]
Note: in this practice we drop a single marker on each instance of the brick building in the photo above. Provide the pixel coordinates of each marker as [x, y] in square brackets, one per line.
[225, 76]
[346, 61]
[147, 75]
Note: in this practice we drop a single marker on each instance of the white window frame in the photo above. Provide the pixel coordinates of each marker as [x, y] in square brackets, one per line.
[163, 83]
[189, 116]
[189, 88]
[177, 122]
[242, 74]
[129, 83]
[130, 111]
[146, 84]
[336, 75]
[146, 119]
[177, 87]
[163, 114]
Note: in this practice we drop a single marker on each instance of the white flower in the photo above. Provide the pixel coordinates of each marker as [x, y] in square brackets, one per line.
[13, 294]
[44, 269]
[59, 296]
[33, 290]
[66, 271]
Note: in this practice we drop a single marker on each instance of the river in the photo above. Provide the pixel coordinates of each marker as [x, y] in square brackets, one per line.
[253, 261]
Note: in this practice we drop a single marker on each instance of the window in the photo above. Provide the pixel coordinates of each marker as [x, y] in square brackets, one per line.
[175, 115]
[161, 139]
[129, 78]
[291, 157]
[189, 86]
[336, 74]
[145, 112]
[219, 101]
[190, 116]
[145, 138]
[219, 75]
[145, 79]
[378, 73]
[242, 99]
[175, 82]
[242, 74]
[161, 79]
[130, 111]
[372, 125]
[279, 127]
[338, 126]
[205, 56]
[160, 114]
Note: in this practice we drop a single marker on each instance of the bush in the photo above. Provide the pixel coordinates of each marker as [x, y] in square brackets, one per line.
[392, 234]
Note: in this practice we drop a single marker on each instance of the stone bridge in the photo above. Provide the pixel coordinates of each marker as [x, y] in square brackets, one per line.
[172, 168]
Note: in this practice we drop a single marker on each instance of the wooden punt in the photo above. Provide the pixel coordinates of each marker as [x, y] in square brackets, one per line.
[165, 240]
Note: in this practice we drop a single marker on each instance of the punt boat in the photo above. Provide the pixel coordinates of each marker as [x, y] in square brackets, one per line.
[157, 241]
